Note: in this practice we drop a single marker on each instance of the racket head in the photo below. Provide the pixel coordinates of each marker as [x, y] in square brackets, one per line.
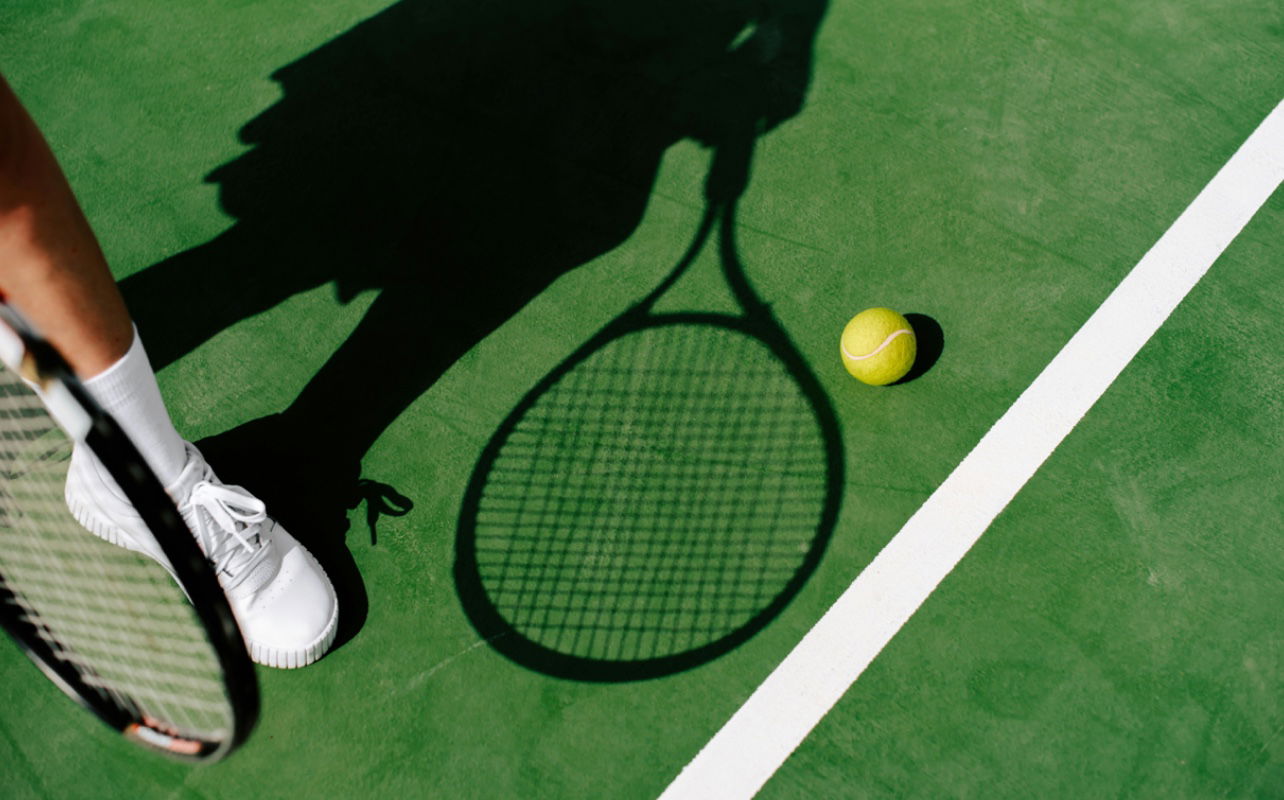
[158, 657]
[653, 502]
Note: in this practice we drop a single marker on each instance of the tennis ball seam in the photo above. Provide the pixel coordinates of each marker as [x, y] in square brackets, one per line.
[886, 343]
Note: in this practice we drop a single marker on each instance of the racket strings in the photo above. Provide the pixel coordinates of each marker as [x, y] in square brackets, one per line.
[657, 498]
[114, 616]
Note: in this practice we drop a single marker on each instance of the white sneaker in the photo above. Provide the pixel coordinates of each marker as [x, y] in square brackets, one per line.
[282, 599]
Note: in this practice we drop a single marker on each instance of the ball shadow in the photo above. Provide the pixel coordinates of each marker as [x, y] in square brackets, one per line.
[931, 343]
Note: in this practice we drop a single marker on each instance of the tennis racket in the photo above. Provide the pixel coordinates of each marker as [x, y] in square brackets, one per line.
[663, 493]
[113, 629]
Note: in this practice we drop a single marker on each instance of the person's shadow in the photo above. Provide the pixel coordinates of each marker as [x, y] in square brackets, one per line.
[457, 156]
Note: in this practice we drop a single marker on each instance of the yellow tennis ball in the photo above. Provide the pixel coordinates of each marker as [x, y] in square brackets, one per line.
[878, 346]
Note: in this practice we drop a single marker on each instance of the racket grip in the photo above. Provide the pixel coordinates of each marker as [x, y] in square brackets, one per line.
[729, 172]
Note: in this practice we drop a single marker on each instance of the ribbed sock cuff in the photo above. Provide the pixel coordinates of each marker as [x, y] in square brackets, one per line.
[128, 391]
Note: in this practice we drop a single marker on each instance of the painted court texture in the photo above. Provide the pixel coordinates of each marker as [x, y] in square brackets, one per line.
[355, 234]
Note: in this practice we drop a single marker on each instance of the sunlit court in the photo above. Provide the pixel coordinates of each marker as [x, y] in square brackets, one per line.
[539, 327]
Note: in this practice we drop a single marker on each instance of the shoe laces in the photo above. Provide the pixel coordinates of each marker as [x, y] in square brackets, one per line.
[228, 523]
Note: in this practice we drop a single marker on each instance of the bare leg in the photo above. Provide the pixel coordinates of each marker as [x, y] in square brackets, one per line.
[51, 266]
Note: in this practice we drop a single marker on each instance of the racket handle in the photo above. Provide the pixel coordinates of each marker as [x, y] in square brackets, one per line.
[729, 172]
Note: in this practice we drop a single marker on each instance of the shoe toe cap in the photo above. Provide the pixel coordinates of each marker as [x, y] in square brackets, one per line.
[292, 619]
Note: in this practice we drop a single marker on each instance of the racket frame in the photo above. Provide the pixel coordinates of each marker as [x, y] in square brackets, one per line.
[72, 407]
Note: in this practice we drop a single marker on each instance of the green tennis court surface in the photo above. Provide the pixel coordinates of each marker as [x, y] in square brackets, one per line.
[356, 234]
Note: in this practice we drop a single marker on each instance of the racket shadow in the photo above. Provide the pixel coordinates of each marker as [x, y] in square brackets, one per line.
[659, 497]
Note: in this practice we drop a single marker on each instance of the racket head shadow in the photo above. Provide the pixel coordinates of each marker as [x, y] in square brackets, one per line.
[654, 502]
[663, 493]
[158, 657]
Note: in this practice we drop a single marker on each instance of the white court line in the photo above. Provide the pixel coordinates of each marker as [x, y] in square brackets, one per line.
[775, 719]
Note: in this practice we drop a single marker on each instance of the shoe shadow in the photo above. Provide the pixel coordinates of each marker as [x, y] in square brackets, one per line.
[456, 157]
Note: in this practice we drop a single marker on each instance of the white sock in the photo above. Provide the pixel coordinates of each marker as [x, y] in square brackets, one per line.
[127, 390]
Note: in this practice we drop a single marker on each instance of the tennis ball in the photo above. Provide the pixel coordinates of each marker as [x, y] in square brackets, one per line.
[878, 346]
